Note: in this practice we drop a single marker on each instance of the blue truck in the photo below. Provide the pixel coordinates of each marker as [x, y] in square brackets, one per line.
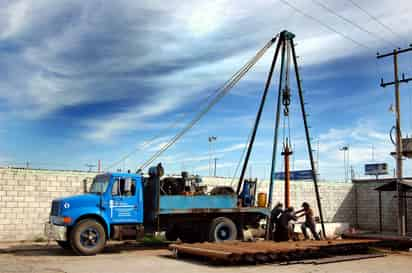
[124, 206]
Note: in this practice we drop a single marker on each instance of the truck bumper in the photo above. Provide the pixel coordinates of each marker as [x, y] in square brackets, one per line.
[54, 232]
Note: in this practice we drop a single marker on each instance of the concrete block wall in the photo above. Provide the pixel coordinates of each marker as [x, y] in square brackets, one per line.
[368, 208]
[25, 199]
[337, 199]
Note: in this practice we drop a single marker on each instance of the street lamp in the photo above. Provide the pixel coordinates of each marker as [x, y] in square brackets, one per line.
[345, 150]
[211, 139]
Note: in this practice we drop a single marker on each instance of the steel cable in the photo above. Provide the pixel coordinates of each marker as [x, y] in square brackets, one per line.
[220, 93]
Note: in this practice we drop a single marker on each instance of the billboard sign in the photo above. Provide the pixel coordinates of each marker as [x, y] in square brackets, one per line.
[376, 169]
[295, 175]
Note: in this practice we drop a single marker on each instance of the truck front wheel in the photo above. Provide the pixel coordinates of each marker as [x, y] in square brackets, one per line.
[222, 229]
[88, 237]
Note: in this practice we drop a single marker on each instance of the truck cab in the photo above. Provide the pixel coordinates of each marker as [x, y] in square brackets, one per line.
[113, 198]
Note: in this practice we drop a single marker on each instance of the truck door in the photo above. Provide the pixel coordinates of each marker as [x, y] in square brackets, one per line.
[125, 201]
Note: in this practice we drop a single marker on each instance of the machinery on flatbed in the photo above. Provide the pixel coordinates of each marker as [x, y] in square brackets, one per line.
[123, 206]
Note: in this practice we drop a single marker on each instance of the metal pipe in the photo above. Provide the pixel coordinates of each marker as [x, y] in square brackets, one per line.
[312, 162]
[286, 153]
[259, 114]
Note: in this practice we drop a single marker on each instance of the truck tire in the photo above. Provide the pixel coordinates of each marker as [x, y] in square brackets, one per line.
[88, 237]
[222, 229]
[64, 244]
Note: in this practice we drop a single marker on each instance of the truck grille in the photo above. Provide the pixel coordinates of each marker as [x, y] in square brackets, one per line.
[55, 208]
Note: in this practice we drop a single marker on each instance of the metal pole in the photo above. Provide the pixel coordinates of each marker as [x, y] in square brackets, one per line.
[380, 211]
[405, 211]
[286, 153]
[277, 120]
[401, 216]
[262, 103]
[214, 173]
[344, 165]
[210, 155]
[312, 162]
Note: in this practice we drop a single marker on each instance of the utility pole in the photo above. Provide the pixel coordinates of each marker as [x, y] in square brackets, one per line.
[396, 82]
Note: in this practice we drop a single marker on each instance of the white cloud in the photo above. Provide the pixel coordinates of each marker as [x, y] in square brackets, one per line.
[219, 21]
[363, 140]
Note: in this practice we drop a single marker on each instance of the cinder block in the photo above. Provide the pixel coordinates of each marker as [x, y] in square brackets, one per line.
[29, 188]
[29, 199]
[11, 182]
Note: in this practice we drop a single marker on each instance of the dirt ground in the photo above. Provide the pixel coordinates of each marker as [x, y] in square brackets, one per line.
[127, 258]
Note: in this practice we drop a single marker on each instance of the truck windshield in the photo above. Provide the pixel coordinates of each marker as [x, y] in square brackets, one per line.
[100, 184]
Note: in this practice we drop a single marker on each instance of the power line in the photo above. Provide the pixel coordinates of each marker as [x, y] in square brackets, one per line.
[325, 25]
[147, 142]
[375, 19]
[320, 4]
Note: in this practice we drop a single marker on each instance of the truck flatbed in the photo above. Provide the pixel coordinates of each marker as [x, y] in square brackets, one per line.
[181, 204]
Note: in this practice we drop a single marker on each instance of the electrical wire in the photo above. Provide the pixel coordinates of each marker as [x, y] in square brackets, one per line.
[356, 25]
[220, 93]
[146, 143]
[375, 19]
[241, 158]
[347, 37]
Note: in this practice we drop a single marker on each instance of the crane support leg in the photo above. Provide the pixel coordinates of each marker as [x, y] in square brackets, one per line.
[309, 145]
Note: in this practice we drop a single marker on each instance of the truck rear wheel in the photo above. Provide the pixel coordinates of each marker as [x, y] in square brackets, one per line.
[222, 229]
[88, 237]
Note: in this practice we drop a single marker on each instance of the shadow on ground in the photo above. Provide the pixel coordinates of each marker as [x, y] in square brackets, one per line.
[54, 250]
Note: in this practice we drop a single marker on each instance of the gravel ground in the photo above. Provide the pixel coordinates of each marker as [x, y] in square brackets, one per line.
[126, 258]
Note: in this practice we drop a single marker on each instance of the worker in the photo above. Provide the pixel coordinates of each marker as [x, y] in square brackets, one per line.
[309, 221]
[282, 230]
[274, 217]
